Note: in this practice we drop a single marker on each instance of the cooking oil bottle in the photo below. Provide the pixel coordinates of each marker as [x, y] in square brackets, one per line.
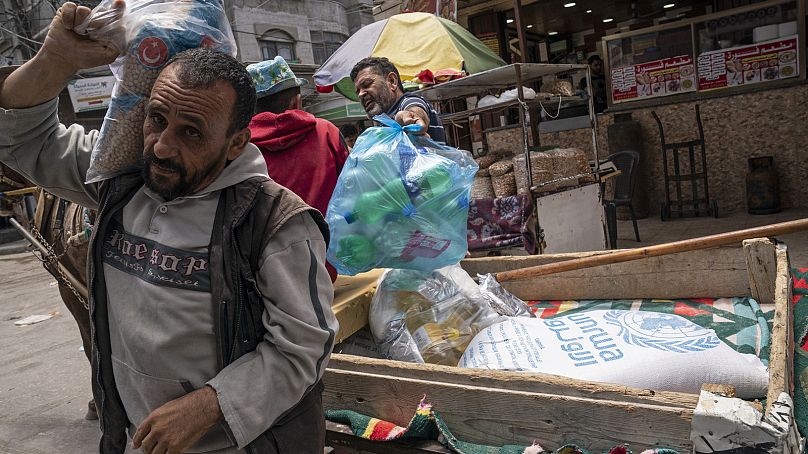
[441, 332]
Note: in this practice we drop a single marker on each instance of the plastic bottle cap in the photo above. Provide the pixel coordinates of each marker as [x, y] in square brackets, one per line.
[409, 210]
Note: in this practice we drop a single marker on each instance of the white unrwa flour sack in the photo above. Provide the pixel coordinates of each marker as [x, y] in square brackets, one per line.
[641, 349]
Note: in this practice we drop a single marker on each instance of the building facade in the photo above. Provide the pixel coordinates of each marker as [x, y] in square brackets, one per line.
[23, 26]
[304, 32]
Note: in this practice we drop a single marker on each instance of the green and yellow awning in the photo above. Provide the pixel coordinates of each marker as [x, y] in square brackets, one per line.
[413, 42]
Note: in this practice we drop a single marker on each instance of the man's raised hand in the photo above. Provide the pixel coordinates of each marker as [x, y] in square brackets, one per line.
[67, 50]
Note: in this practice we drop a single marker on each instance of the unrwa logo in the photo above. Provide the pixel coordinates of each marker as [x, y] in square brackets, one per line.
[665, 332]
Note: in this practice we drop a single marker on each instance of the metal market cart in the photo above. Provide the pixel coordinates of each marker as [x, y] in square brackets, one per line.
[567, 220]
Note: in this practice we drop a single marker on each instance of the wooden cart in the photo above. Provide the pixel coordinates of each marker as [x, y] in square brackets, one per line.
[499, 407]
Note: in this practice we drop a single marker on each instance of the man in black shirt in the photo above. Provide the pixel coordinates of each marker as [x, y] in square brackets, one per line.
[378, 86]
[598, 82]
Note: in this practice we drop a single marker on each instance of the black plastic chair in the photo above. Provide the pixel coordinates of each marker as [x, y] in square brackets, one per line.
[626, 162]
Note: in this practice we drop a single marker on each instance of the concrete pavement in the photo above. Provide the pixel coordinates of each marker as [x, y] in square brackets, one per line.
[653, 231]
[44, 377]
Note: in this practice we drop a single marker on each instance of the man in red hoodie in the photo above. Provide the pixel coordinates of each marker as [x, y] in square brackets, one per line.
[303, 153]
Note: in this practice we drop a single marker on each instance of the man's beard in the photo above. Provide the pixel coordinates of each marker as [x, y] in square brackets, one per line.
[375, 109]
[166, 187]
[381, 104]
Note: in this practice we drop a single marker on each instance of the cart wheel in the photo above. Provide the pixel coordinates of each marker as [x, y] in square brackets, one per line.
[714, 208]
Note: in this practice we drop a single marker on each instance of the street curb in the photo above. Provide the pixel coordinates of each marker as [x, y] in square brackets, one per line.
[15, 247]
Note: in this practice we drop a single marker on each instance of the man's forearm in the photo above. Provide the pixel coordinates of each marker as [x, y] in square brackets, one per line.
[33, 83]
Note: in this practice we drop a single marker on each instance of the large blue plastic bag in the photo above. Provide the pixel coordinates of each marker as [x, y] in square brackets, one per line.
[401, 201]
[148, 33]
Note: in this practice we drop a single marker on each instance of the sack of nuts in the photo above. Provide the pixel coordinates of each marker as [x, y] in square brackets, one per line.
[148, 34]
[502, 178]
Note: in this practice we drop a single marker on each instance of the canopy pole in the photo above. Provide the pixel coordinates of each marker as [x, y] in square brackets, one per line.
[520, 30]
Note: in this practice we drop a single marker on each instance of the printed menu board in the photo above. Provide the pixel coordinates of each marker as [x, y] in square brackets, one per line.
[743, 65]
[657, 78]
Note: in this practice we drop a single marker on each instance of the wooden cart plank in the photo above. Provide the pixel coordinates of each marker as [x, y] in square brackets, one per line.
[680, 275]
[352, 296]
[514, 381]
[499, 416]
[781, 358]
[498, 407]
[761, 265]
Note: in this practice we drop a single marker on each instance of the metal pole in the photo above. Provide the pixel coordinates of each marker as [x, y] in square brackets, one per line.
[523, 122]
[81, 288]
[610, 227]
[520, 93]
[593, 121]
[517, 13]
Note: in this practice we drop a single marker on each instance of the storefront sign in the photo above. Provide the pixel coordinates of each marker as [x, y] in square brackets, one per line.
[657, 78]
[764, 62]
[92, 93]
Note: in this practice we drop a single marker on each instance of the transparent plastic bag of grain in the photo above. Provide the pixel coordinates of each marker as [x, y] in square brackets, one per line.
[148, 33]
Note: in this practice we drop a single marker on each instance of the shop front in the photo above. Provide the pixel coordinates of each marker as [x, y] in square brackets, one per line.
[745, 70]
[744, 67]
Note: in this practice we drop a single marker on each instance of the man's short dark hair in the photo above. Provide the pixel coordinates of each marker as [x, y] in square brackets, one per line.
[593, 58]
[381, 66]
[277, 103]
[348, 130]
[203, 68]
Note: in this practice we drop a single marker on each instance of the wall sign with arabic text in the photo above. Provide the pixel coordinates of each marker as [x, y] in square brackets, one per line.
[743, 65]
[91, 93]
[664, 77]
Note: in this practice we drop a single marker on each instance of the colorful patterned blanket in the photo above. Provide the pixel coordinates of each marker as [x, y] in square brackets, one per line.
[500, 223]
[740, 322]
[800, 281]
[427, 424]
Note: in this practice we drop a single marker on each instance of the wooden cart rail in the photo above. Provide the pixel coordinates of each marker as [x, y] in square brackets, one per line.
[500, 407]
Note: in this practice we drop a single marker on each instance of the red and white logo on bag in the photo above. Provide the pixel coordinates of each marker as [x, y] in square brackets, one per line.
[152, 52]
[208, 43]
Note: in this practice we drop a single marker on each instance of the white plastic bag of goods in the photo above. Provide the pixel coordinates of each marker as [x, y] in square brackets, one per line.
[649, 350]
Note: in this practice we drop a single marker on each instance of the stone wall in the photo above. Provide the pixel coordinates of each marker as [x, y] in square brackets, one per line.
[764, 123]
[295, 17]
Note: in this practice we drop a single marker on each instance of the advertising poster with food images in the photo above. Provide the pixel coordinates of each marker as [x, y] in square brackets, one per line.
[668, 76]
[764, 62]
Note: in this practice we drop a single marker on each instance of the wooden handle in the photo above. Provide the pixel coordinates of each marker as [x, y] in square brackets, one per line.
[17, 192]
[655, 251]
